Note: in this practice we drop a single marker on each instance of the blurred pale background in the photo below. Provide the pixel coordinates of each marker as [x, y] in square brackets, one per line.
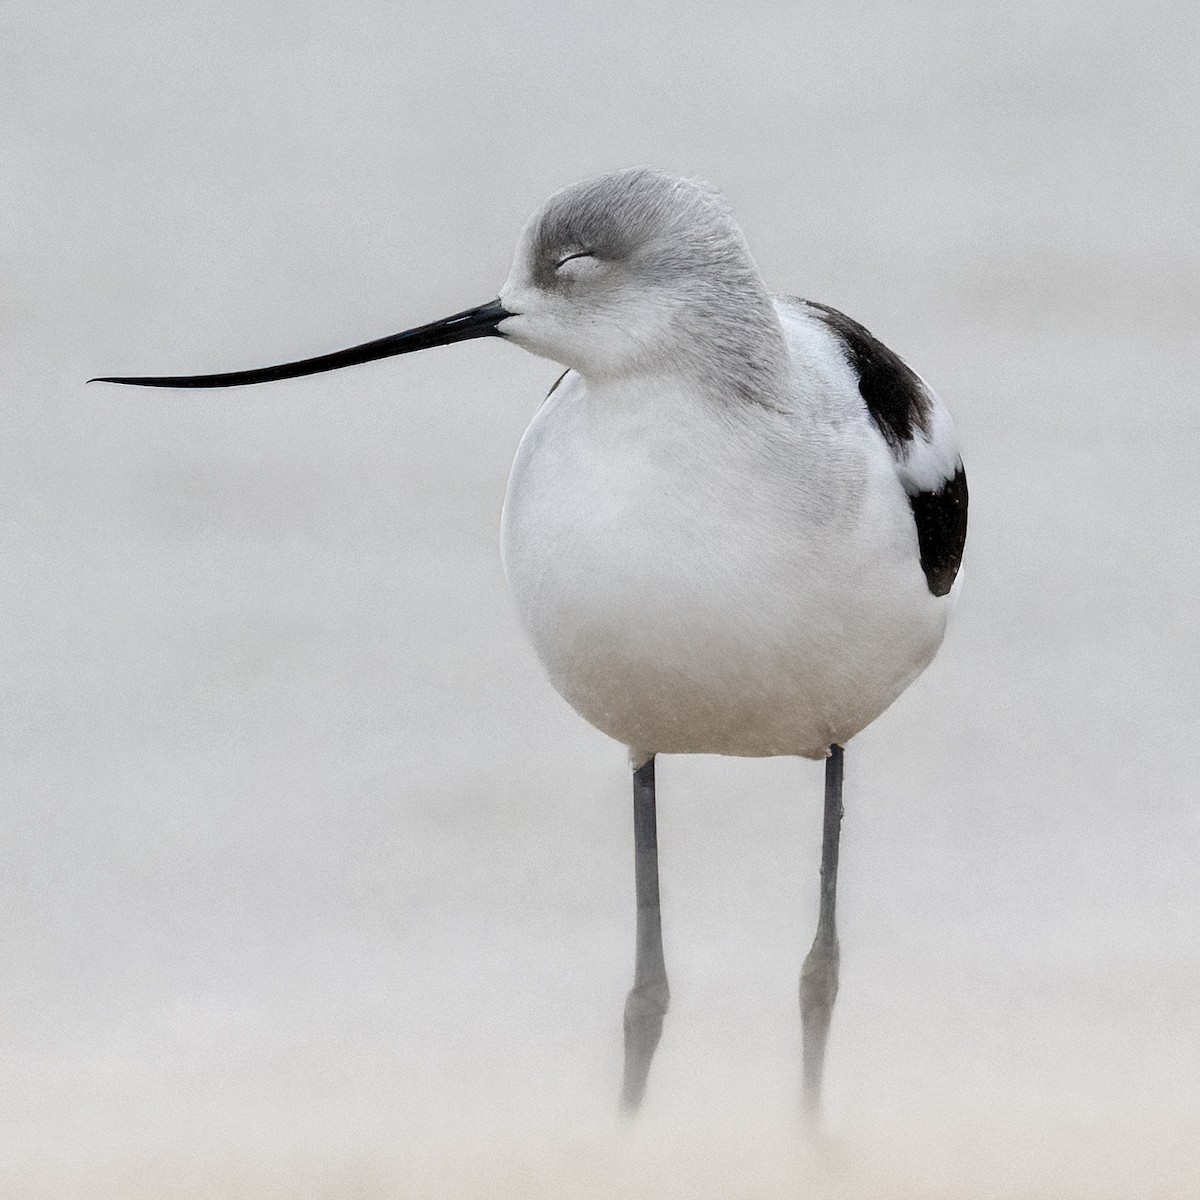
[310, 886]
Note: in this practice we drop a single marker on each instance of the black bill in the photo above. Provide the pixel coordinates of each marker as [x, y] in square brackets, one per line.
[473, 323]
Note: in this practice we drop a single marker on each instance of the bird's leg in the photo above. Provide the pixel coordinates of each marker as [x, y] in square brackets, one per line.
[647, 1000]
[819, 975]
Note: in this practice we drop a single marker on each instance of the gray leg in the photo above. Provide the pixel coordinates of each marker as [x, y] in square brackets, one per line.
[819, 976]
[648, 999]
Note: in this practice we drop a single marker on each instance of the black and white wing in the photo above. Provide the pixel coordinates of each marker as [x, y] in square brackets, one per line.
[920, 435]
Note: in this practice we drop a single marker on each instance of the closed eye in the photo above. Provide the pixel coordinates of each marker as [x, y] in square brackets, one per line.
[574, 256]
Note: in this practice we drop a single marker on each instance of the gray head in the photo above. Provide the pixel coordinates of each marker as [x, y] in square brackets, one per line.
[630, 273]
[637, 272]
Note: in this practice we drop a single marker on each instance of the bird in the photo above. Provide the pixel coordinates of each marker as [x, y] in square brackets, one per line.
[734, 526]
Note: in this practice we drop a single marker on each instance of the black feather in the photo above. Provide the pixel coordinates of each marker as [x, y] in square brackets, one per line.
[941, 518]
[893, 393]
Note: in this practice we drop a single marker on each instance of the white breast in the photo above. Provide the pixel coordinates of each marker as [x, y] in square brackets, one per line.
[700, 577]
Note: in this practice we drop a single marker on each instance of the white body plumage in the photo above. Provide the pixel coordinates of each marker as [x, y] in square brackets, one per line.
[704, 577]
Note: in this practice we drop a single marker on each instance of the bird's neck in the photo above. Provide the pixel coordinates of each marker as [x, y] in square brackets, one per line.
[739, 351]
[727, 347]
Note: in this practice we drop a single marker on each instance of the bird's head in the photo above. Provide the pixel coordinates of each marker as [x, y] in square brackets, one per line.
[635, 271]
[625, 271]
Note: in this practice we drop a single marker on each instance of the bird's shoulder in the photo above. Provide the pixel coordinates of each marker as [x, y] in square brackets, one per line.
[915, 426]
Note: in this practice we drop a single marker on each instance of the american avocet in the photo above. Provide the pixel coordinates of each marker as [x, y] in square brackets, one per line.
[734, 526]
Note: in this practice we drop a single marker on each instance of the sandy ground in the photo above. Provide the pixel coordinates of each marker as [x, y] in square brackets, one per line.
[309, 885]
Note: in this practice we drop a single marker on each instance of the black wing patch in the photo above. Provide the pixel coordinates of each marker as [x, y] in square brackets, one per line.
[894, 395]
[941, 518]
